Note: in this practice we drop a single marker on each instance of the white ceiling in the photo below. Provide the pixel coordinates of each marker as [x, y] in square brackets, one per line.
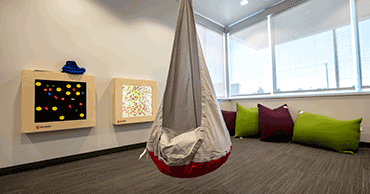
[226, 12]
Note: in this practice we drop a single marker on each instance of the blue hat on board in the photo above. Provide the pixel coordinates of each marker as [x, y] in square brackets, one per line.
[71, 67]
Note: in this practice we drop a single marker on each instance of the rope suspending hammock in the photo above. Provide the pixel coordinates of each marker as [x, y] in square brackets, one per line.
[189, 137]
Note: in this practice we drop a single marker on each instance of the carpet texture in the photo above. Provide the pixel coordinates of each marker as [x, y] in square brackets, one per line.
[253, 167]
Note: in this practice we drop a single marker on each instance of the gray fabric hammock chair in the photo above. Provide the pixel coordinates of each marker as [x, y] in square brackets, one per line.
[189, 137]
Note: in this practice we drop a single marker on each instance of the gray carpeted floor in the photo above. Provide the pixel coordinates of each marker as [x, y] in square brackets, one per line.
[253, 167]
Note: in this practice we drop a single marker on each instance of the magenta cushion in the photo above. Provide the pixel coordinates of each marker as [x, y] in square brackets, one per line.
[229, 117]
[275, 125]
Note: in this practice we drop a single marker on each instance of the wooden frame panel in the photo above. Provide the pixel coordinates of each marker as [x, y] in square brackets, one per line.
[141, 112]
[33, 117]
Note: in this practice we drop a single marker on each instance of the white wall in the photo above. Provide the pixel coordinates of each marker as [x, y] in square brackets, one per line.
[110, 38]
[338, 107]
[130, 39]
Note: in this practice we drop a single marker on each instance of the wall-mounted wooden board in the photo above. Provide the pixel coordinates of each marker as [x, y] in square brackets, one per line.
[55, 101]
[134, 101]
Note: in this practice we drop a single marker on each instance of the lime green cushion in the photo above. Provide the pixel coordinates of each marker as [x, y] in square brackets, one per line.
[246, 122]
[313, 129]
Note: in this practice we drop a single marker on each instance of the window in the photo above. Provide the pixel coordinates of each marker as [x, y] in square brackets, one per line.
[313, 50]
[363, 14]
[250, 69]
[213, 49]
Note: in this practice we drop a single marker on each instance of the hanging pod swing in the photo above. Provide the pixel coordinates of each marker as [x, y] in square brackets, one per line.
[189, 137]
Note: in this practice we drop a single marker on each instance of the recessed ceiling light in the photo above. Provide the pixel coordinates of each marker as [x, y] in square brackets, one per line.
[244, 2]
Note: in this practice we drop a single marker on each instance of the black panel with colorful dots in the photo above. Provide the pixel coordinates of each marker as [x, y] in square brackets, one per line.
[59, 101]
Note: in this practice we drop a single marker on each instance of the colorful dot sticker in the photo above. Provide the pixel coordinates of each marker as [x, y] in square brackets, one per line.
[136, 101]
[58, 101]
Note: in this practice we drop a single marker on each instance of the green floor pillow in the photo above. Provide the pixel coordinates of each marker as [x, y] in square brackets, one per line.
[246, 122]
[313, 129]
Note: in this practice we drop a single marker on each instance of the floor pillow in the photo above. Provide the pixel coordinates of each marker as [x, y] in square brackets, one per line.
[229, 117]
[276, 125]
[340, 135]
[246, 122]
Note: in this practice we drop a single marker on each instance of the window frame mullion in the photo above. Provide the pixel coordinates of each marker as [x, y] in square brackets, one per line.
[270, 28]
[355, 47]
[227, 64]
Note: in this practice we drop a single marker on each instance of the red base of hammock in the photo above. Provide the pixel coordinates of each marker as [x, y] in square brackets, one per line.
[194, 169]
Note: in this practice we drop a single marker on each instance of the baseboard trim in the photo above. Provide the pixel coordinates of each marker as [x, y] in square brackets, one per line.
[56, 161]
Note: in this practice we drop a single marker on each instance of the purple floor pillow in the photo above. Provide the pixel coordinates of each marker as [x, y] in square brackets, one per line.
[229, 117]
[276, 125]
